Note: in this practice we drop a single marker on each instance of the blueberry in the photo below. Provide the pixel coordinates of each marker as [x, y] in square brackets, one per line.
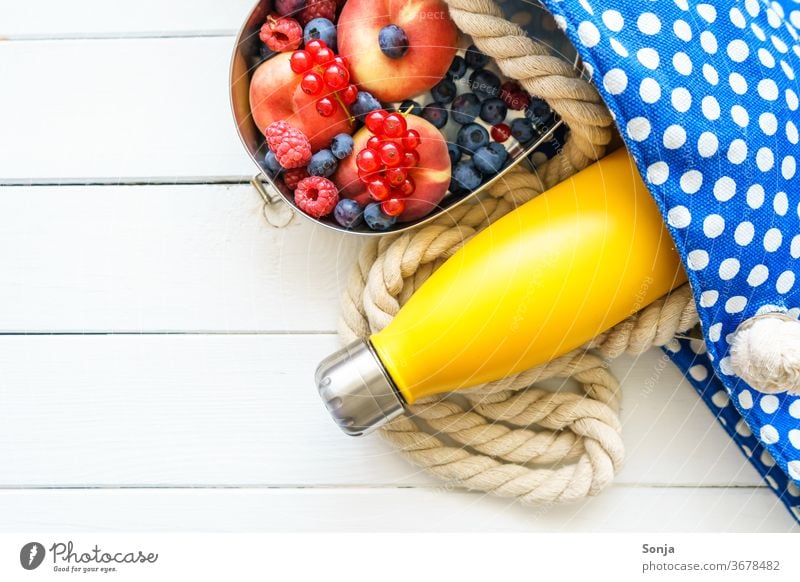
[364, 103]
[444, 91]
[484, 84]
[376, 219]
[493, 111]
[522, 130]
[348, 213]
[342, 145]
[264, 52]
[271, 164]
[323, 163]
[286, 7]
[465, 108]
[435, 114]
[471, 138]
[490, 159]
[393, 41]
[538, 109]
[416, 108]
[458, 68]
[475, 58]
[454, 151]
[323, 29]
[465, 177]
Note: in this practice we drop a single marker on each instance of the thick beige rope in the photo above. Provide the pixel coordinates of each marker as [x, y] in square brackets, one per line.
[511, 438]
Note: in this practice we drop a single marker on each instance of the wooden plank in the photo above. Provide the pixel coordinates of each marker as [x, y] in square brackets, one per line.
[52, 18]
[163, 258]
[619, 509]
[118, 110]
[205, 410]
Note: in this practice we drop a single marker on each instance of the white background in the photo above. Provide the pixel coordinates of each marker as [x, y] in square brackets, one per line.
[159, 338]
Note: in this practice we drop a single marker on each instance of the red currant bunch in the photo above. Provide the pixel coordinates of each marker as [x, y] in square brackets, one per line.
[384, 165]
[324, 72]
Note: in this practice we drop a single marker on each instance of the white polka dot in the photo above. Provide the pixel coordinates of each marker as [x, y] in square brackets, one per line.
[682, 30]
[649, 90]
[724, 189]
[588, 34]
[793, 489]
[679, 217]
[766, 459]
[699, 372]
[755, 196]
[613, 20]
[769, 434]
[779, 45]
[752, 7]
[772, 240]
[738, 50]
[638, 128]
[747, 450]
[707, 12]
[728, 269]
[768, 123]
[771, 481]
[766, 58]
[710, 107]
[714, 332]
[708, 298]
[709, 42]
[710, 73]
[736, 304]
[794, 409]
[795, 247]
[794, 472]
[769, 403]
[789, 72]
[720, 399]
[561, 22]
[758, 275]
[791, 132]
[674, 137]
[746, 399]
[691, 181]
[682, 4]
[788, 167]
[780, 204]
[618, 48]
[792, 101]
[657, 173]
[682, 63]
[707, 144]
[765, 159]
[785, 282]
[737, 151]
[768, 89]
[737, 18]
[742, 429]
[794, 438]
[648, 58]
[615, 81]
[648, 23]
[737, 83]
[681, 99]
[758, 31]
[697, 259]
[713, 225]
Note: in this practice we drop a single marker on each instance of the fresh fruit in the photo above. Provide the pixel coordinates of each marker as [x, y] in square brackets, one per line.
[391, 154]
[318, 9]
[410, 107]
[393, 41]
[326, 107]
[458, 68]
[490, 159]
[271, 164]
[501, 132]
[368, 160]
[375, 217]
[276, 94]
[348, 213]
[364, 103]
[323, 163]
[471, 138]
[454, 152]
[484, 84]
[538, 110]
[290, 145]
[431, 45]
[411, 139]
[444, 91]
[342, 145]
[316, 196]
[320, 28]
[514, 96]
[394, 125]
[292, 177]
[493, 111]
[393, 206]
[466, 108]
[285, 7]
[281, 33]
[522, 130]
[474, 58]
[312, 83]
[466, 176]
[349, 94]
[301, 61]
[435, 114]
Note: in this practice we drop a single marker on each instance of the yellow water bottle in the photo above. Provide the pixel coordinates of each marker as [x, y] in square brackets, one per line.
[544, 279]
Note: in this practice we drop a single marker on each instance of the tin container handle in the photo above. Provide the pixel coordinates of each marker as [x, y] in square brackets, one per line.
[276, 212]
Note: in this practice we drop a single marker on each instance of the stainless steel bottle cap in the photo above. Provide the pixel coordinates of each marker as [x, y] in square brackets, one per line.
[357, 390]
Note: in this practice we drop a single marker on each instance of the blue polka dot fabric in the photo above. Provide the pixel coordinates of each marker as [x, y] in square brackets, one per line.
[705, 95]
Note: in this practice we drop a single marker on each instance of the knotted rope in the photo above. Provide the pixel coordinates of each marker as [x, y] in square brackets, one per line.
[512, 438]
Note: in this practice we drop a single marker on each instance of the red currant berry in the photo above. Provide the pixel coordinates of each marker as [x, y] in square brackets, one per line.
[336, 77]
[324, 56]
[410, 159]
[411, 139]
[374, 121]
[395, 176]
[341, 61]
[315, 45]
[326, 107]
[368, 160]
[391, 154]
[349, 94]
[501, 132]
[378, 189]
[300, 61]
[393, 206]
[374, 142]
[408, 186]
[394, 125]
[311, 83]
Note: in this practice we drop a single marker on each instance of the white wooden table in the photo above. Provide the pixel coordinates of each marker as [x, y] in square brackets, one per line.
[158, 338]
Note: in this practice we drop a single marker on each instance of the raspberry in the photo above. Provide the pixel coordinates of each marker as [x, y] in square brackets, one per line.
[316, 196]
[514, 96]
[318, 9]
[281, 33]
[292, 177]
[289, 144]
